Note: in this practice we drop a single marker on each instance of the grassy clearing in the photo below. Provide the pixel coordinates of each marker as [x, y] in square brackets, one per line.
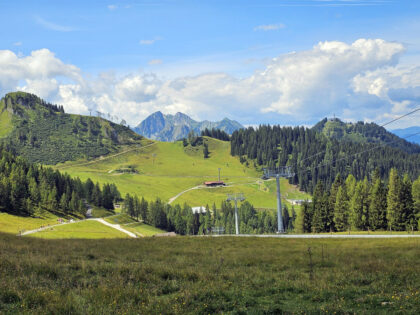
[120, 219]
[166, 169]
[143, 229]
[84, 229]
[5, 122]
[198, 275]
[101, 212]
[13, 224]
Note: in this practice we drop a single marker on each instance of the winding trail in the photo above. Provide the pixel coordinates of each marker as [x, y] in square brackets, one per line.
[105, 157]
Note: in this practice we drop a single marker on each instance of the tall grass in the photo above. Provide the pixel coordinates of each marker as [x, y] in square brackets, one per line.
[199, 275]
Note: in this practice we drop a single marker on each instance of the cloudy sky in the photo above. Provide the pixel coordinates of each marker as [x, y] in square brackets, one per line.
[278, 62]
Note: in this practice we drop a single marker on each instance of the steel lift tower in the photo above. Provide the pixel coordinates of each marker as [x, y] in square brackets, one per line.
[236, 197]
[282, 171]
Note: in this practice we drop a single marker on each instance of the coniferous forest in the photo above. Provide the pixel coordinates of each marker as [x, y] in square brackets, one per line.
[364, 205]
[183, 221]
[314, 157]
[26, 188]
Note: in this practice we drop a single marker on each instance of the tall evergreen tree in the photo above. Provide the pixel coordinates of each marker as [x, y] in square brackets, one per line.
[377, 205]
[416, 200]
[341, 210]
[395, 211]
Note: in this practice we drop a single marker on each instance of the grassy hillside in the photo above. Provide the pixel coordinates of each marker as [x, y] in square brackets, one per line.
[84, 229]
[13, 224]
[166, 169]
[42, 132]
[199, 275]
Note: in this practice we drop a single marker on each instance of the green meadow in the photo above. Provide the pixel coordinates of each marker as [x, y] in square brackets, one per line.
[203, 275]
[85, 229]
[166, 169]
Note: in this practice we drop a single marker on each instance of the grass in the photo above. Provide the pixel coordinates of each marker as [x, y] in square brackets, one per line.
[5, 121]
[84, 229]
[13, 224]
[199, 275]
[120, 219]
[166, 169]
[143, 229]
[101, 212]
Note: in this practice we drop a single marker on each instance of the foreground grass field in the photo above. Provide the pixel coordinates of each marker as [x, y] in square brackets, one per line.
[166, 169]
[199, 275]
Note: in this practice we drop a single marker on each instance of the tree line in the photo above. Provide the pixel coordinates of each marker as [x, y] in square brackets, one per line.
[182, 220]
[216, 134]
[316, 158]
[364, 205]
[26, 188]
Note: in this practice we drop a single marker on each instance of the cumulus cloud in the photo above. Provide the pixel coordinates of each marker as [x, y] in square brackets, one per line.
[269, 27]
[362, 80]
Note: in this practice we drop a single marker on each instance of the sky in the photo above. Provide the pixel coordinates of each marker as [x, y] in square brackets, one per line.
[257, 62]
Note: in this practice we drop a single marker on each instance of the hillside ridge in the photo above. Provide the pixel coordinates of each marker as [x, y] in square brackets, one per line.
[44, 133]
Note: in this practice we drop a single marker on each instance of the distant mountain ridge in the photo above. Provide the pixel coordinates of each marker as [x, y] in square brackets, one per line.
[408, 132]
[159, 126]
[361, 132]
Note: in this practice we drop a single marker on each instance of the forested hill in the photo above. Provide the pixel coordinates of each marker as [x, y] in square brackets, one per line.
[315, 157]
[42, 132]
[363, 133]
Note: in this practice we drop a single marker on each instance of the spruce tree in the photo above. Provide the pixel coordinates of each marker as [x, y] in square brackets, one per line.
[318, 209]
[407, 203]
[356, 207]
[416, 200]
[377, 205]
[394, 203]
[341, 210]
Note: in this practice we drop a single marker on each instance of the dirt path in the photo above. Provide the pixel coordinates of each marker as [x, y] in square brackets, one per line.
[104, 158]
[115, 226]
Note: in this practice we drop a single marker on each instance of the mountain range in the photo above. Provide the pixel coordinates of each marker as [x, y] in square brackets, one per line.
[412, 134]
[175, 127]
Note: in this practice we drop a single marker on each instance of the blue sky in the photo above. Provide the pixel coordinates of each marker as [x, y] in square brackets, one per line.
[130, 58]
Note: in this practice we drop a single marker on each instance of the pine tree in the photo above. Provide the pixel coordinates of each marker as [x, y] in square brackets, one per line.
[341, 212]
[416, 200]
[407, 203]
[319, 210]
[356, 207]
[331, 201]
[394, 202]
[307, 217]
[377, 205]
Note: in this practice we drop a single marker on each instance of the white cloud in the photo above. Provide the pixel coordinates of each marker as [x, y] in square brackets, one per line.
[17, 44]
[358, 81]
[149, 41]
[53, 26]
[112, 7]
[269, 27]
[155, 62]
